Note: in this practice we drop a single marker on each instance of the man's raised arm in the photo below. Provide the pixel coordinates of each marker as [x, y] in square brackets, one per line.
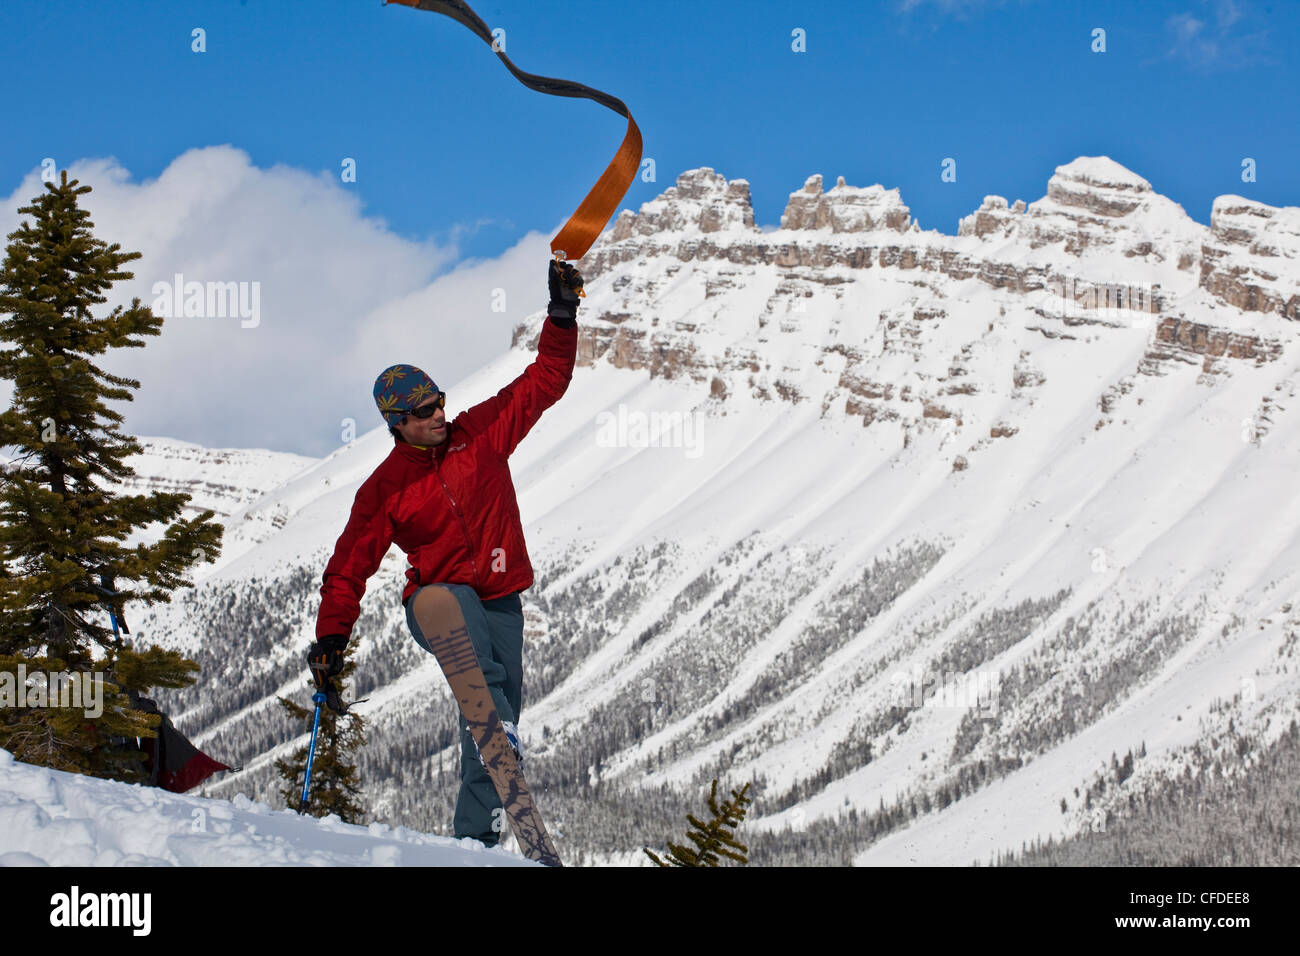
[511, 413]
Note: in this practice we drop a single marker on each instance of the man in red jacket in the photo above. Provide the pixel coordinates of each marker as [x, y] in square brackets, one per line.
[445, 496]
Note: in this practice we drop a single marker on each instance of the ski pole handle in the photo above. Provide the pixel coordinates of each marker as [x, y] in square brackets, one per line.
[318, 698]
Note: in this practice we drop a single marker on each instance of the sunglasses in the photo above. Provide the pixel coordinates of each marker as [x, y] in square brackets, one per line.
[426, 411]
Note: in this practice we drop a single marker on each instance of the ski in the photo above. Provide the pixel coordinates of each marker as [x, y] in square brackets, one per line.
[459, 663]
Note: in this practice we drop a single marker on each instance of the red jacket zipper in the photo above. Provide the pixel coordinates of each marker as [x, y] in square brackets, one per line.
[463, 527]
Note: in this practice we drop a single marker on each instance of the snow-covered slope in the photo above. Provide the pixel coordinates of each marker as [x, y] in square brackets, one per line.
[220, 479]
[802, 477]
[52, 818]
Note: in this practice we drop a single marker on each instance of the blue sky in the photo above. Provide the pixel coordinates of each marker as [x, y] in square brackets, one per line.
[225, 165]
[446, 140]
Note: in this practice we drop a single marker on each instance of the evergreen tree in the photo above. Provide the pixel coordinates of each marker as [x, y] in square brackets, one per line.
[334, 778]
[715, 837]
[61, 528]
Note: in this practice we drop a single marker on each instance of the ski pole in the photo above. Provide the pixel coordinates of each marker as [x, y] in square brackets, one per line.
[318, 698]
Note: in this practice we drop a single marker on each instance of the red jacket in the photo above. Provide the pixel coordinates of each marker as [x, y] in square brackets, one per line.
[452, 507]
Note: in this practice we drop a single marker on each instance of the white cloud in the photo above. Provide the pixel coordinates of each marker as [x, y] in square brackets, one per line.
[1184, 26]
[1205, 45]
[341, 298]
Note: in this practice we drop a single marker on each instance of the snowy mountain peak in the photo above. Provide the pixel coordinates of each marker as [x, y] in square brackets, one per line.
[845, 208]
[701, 201]
[1095, 207]
[849, 305]
[1099, 185]
[1265, 230]
[1248, 259]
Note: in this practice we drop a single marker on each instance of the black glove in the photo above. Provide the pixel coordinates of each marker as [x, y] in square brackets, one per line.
[334, 701]
[564, 281]
[325, 659]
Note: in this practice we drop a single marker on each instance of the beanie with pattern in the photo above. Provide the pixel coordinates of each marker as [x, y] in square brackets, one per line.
[400, 388]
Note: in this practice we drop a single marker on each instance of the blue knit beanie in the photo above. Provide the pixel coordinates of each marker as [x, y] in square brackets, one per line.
[400, 388]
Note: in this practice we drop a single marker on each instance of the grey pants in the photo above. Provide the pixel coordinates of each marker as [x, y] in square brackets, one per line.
[497, 629]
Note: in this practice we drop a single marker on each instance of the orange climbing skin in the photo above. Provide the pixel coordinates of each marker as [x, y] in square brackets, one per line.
[587, 222]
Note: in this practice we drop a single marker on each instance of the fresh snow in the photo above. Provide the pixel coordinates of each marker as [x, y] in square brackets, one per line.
[52, 818]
